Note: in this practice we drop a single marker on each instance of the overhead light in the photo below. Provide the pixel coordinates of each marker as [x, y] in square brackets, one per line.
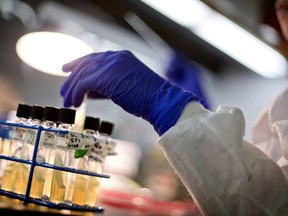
[48, 51]
[225, 35]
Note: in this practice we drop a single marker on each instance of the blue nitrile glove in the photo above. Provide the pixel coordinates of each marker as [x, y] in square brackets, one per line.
[121, 77]
[184, 74]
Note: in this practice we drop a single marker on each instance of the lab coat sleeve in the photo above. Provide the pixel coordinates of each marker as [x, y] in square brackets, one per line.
[224, 174]
[270, 130]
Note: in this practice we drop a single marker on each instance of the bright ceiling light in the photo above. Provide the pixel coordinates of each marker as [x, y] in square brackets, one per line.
[48, 51]
[225, 35]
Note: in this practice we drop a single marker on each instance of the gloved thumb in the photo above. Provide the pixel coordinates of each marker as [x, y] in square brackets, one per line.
[67, 67]
[70, 65]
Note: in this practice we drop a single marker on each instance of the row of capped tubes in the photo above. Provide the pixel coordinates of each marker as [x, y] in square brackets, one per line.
[85, 151]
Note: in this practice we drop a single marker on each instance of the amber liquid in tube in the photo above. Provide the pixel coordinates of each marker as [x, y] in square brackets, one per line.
[46, 143]
[38, 179]
[48, 178]
[21, 178]
[37, 182]
[10, 171]
[81, 181]
[16, 174]
[96, 161]
[4, 151]
[93, 184]
[91, 125]
[70, 161]
[15, 146]
[59, 178]
[27, 152]
[14, 171]
[72, 178]
[80, 184]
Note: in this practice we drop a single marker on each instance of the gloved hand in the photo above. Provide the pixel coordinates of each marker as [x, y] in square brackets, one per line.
[125, 80]
[185, 75]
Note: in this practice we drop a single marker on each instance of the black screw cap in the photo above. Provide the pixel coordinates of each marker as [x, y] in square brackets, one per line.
[51, 113]
[67, 116]
[37, 112]
[92, 123]
[106, 127]
[23, 110]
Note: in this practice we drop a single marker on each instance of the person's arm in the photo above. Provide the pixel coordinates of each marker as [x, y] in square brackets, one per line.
[269, 130]
[224, 174]
[121, 77]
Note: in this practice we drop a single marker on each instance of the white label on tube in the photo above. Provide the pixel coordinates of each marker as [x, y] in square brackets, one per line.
[19, 134]
[30, 137]
[97, 152]
[75, 140]
[48, 139]
[61, 141]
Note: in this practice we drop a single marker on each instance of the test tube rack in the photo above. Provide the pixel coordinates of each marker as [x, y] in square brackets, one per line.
[33, 163]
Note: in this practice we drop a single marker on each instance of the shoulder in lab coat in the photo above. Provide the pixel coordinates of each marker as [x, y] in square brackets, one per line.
[224, 174]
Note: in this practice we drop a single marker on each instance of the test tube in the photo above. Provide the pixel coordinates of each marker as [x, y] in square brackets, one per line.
[96, 161]
[14, 149]
[54, 187]
[27, 149]
[80, 186]
[46, 143]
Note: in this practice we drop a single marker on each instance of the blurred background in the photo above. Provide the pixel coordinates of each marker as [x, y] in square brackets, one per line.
[155, 31]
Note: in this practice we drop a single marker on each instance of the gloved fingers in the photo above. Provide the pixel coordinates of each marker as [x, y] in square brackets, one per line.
[76, 85]
[82, 69]
[84, 64]
[77, 101]
[69, 66]
[71, 99]
[83, 87]
[68, 87]
[96, 95]
[76, 73]
[70, 84]
[67, 97]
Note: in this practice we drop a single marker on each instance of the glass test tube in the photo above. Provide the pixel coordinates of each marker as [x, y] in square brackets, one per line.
[46, 143]
[26, 152]
[14, 147]
[58, 158]
[96, 161]
[80, 186]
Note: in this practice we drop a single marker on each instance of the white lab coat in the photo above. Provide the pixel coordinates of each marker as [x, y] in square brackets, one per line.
[225, 174]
